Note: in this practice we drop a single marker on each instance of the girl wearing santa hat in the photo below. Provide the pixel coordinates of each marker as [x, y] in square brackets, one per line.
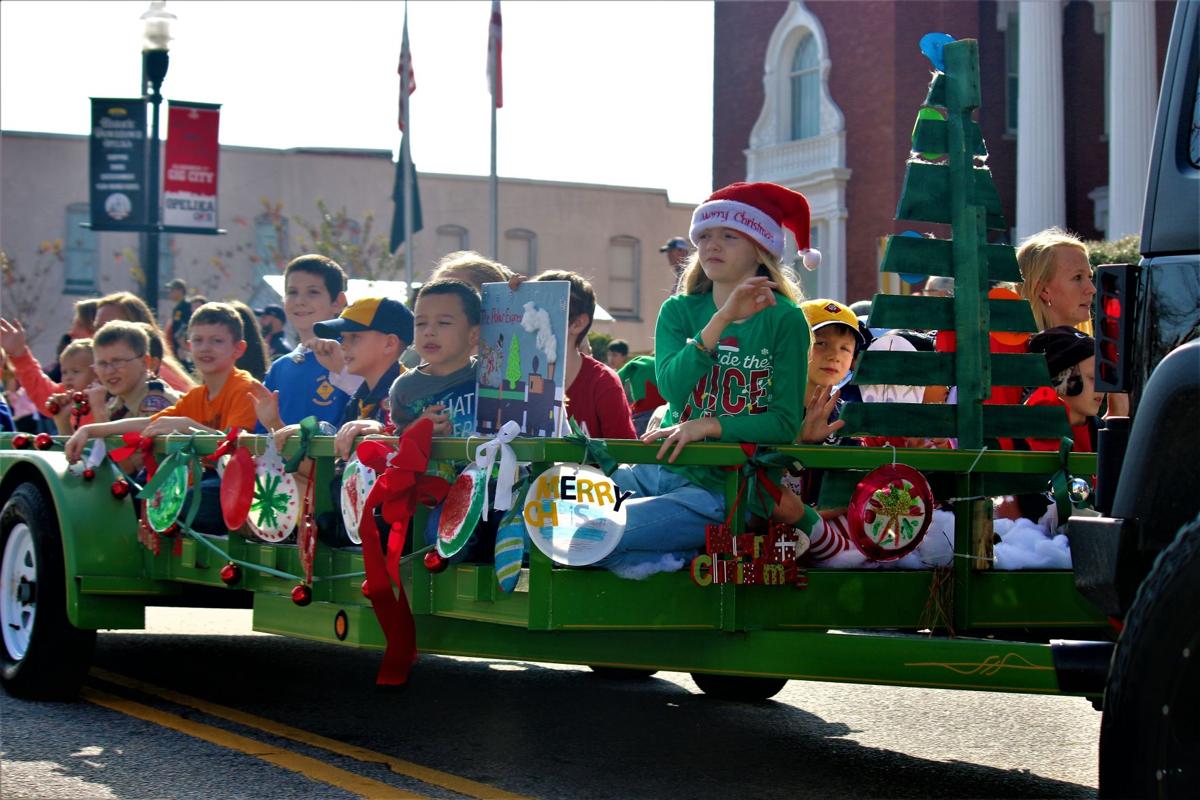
[729, 345]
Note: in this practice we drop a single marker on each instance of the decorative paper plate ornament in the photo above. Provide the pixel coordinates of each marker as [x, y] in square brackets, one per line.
[237, 488]
[276, 504]
[357, 481]
[510, 547]
[461, 511]
[890, 511]
[163, 507]
[575, 514]
[92, 461]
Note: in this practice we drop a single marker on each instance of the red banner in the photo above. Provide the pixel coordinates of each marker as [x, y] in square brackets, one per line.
[190, 166]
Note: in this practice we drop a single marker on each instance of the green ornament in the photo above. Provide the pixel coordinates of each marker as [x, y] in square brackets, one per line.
[164, 505]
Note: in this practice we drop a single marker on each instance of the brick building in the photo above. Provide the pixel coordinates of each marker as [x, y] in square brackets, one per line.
[822, 96]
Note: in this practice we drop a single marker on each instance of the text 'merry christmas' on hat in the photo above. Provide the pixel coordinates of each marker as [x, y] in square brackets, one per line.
[370, 314]
[821, 313]
[676, 243]
[1063, 346]
[760, 211]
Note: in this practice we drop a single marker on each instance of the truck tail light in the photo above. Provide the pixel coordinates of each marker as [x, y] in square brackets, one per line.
[1115, 285]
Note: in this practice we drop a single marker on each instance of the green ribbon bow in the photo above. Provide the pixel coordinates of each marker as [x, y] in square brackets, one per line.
[595, 451]
[308, 429]
[1060, 483]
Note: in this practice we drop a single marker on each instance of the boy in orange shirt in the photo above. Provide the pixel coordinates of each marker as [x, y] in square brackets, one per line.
[221, 402]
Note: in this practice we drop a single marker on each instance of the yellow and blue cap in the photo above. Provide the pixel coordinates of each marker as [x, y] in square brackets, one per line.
[381, 314]
[830, 312]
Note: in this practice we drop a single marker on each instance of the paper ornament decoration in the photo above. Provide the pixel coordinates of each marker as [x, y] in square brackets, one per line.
[237, 488]
[575, 514]
[932, 45]
[276, 503]
[164, 505]
[461, 511]
[357, 482]
[889, 512]
[86, 467]
[510, 548]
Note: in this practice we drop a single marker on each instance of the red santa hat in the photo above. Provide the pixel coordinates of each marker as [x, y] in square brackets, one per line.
[760, 211]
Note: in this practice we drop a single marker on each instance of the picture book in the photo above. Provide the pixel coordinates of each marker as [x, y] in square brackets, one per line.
[522, 358]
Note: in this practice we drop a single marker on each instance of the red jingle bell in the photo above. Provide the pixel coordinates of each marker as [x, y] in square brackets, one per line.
[301, 594]
[435, 562]
[21, 441]
[79, 397]
[366, 590]
[43, 441]
[83, 408]
[120, 488]
[89, 474]
[231, 573]
[52, 407]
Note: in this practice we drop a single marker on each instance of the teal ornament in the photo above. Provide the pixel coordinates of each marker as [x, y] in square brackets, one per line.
[932, 45]
[510, 548]
[165, 499]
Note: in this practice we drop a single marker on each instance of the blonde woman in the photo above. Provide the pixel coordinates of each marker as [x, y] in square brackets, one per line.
[131, 308]
[1057, 279]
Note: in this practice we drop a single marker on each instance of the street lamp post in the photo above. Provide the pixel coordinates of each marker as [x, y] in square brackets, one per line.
[156, 41]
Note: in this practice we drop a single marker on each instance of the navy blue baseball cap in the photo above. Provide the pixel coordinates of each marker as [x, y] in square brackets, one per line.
[370, 314]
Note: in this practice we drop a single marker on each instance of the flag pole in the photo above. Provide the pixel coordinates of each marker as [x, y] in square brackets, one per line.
[406, 156]
[494, 189]
[495, 86]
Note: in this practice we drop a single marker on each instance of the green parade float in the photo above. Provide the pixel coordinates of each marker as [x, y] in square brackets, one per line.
[742, 625]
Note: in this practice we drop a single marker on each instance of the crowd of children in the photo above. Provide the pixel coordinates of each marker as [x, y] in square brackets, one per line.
[740, 357]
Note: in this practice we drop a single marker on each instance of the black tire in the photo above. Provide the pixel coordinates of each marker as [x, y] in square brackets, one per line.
[738, 688]
[42, 655]
[622, 673]
[1150, 732]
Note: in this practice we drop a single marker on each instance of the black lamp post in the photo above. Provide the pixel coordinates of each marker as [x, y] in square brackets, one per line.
[156, 41]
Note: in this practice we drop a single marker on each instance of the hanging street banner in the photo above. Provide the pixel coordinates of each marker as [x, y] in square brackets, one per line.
[190, 166]
[117, 164]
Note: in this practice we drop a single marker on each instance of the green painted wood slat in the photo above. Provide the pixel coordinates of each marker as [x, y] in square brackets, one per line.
[930, 136]
[910, 255]
[929, 420]
[937, 313]
[937, 369]
[926, 187]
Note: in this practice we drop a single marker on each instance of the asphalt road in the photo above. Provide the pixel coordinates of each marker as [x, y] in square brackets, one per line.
[473, 727]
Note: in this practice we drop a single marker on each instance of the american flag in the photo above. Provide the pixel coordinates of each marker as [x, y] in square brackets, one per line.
[408, 81]
[495, 78]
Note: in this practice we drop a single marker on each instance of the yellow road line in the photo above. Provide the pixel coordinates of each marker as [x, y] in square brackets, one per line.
[304, 765]
[445, 780]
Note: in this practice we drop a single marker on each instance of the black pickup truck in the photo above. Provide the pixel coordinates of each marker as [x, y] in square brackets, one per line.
[1139, 561]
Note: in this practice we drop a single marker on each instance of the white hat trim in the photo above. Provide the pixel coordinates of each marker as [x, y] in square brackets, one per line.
[742, 218]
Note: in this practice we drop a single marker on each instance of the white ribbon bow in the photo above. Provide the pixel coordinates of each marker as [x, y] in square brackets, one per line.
[485, 458]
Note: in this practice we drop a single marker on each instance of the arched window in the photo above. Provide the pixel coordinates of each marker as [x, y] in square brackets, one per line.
[804, 79]
[451, 238]
[520, 250]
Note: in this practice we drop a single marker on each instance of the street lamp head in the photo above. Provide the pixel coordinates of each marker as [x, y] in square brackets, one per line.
[156, 33]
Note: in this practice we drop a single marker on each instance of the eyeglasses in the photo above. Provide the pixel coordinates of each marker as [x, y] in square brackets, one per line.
[116, 363]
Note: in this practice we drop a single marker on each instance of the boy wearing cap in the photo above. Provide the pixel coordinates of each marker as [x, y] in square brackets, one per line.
[271, 318]
[836, 339]
[374, 331]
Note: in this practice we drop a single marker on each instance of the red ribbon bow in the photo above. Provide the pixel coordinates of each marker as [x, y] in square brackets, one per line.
[226, 447]
[401, 484]
[136, 443]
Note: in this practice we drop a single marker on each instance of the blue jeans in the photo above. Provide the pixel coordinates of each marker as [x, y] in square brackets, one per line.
[664, 521]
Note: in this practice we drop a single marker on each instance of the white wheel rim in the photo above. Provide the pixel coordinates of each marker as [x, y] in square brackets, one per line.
[18, 596]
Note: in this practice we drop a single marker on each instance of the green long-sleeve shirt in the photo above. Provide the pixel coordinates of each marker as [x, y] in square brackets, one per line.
[755, 386]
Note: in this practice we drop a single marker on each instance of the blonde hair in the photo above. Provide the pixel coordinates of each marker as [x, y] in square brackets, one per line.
[75, 348]
[470, 268]
[694, 281]
[1037, 259]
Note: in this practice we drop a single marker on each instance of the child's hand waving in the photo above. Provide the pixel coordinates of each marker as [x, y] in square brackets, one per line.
[12, 337]
[820, 406]
[266, 406]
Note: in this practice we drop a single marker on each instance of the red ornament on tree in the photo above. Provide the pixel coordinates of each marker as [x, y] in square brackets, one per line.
[43, 441]
[89, 474]
[434, 562]
[301, 594]
[120, 488]
[231, 573]
[21, 441]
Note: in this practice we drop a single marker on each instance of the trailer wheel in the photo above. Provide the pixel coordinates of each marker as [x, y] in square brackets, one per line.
[1150, 732]
[622, 673]
[738, 688]
[43, 656]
